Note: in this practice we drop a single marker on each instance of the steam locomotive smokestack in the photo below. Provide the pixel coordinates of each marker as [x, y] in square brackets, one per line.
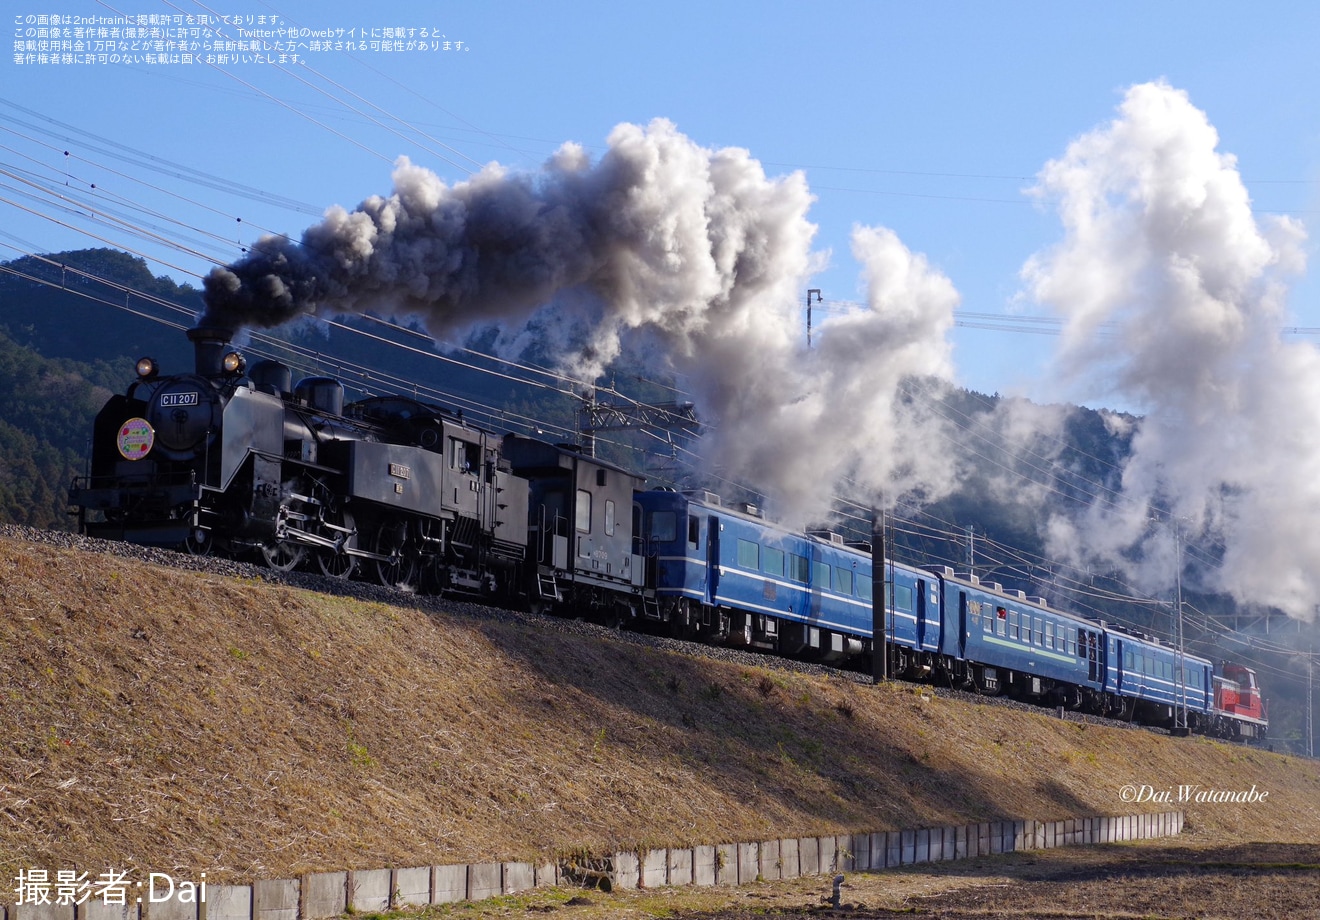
[209, 344]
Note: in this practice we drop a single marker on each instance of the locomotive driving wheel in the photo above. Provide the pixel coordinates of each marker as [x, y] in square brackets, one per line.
[283, 556]
[199, 542]
[399, 570]
[336, 563]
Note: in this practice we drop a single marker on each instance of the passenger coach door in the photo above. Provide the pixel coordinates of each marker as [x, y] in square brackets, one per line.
[921, 614]
[963, 631]
[712, 558]
[643, 548]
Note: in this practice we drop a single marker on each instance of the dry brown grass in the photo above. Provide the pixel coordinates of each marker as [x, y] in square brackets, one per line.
[165, 721]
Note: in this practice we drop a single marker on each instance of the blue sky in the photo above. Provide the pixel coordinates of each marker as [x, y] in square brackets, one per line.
[930, 119]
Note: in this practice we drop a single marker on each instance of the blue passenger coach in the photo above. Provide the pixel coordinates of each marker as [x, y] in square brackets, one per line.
[1145, 674]
[729, 575]
[1001, 637]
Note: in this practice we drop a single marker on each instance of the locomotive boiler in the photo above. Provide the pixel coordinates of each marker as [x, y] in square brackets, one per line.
[246, 461]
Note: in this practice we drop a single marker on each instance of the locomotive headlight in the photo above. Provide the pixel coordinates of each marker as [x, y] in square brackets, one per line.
[147, 368]
[234, 363]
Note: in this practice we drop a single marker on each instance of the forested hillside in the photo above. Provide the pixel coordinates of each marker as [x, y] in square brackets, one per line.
[45, 418]
[63, 349]
[94, 305]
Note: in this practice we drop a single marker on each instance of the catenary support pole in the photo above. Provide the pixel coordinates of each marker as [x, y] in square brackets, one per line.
[879, 626]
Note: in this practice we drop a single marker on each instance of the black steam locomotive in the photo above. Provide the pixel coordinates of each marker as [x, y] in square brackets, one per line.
[243, 461]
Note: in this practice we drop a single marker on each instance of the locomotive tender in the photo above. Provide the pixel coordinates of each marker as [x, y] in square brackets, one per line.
[409, 494]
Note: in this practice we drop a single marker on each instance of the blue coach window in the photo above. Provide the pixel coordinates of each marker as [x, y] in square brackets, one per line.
[820, 575]
[663, 527]
[864, 588]
[898, 596]
[749, 554]
[843, 580]
[772, 561]
[799, 568]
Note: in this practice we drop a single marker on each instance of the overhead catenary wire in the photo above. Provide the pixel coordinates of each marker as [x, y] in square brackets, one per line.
[368, 117]
[157, 164]
[117, 220]
[128, 177]
[101, 239]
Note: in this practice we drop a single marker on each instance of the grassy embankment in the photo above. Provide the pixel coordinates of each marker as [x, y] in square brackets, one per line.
[159, 720]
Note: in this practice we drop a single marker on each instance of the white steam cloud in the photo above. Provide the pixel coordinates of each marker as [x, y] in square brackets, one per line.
[1173, 295]
[695, 253]
[840, 418]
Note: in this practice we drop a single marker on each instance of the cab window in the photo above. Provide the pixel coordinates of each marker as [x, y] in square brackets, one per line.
[583, 511]
[464, 455]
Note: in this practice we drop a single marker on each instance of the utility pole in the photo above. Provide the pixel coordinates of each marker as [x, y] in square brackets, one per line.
[1310, 723]
[819, 299]
[879, 602]
[586, 424]
[1180, 669]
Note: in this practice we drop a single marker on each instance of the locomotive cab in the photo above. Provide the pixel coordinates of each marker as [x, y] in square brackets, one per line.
[1239, 707]
[581, 528]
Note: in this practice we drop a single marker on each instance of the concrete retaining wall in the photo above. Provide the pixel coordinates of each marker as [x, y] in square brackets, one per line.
[680, 866]
[329, 894]
[484, 881]
[369, 890]
[448, 884]
[412, 887]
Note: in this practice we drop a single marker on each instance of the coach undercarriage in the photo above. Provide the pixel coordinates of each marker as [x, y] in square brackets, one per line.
[684, 618]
